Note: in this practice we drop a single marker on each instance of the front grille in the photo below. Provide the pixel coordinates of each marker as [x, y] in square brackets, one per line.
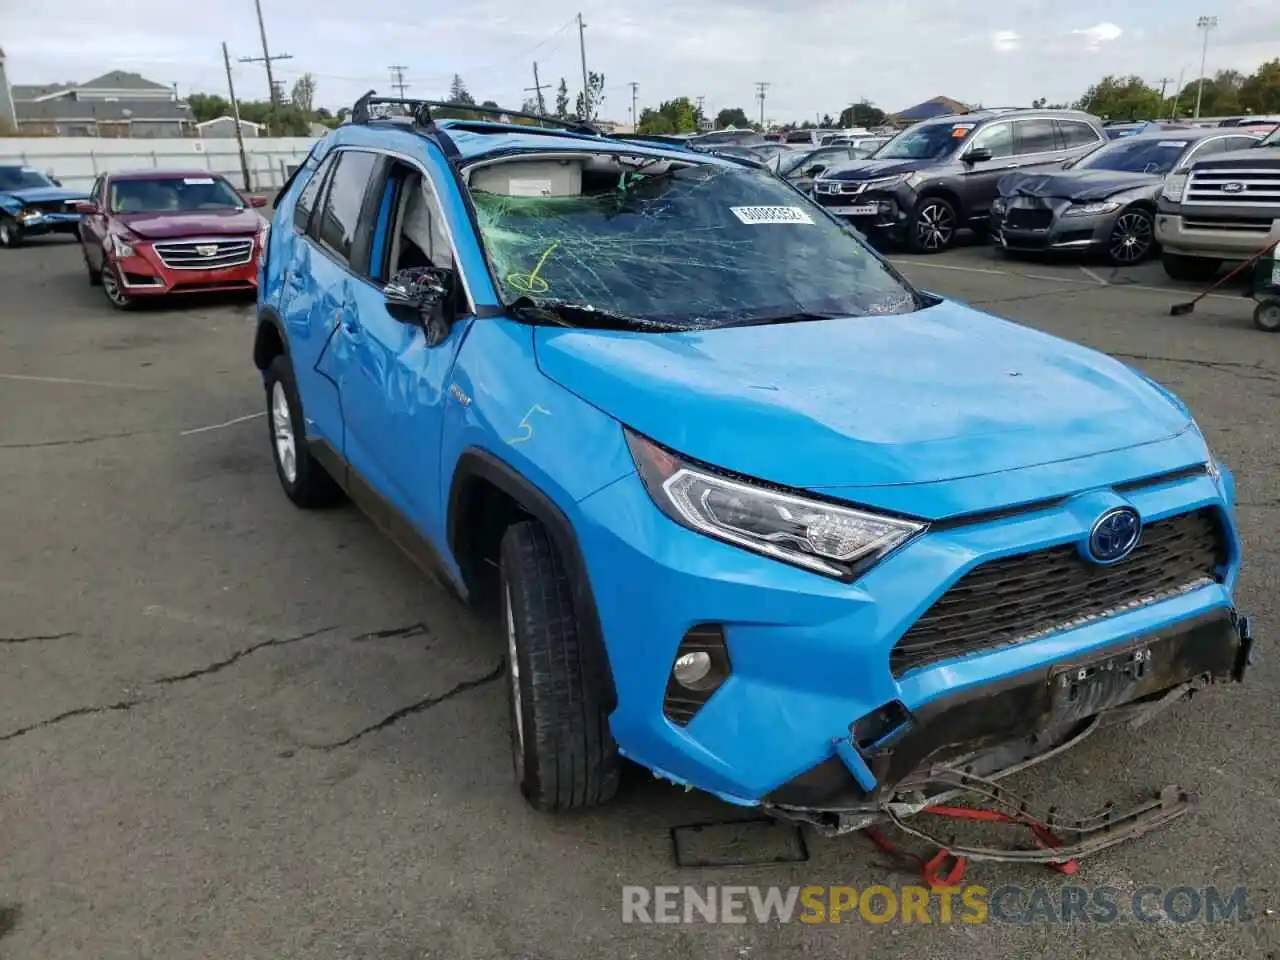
[1021, 218]
[1258, 225]
[1245, 186]
[52, 206]
[205, 254]
[1015, 599]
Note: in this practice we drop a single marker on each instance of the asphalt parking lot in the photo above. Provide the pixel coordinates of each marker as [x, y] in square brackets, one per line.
[232, 729]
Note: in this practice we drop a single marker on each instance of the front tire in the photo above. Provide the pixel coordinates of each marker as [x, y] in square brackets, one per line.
[303, 479]
[933, 227]
[1133, 237]
[95, 276]
[563, 753]
[10, 232]
[1190, 269]
[1266, 316]
[113, 287]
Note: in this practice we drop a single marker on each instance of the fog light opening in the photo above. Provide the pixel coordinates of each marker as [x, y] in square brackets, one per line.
[691, 669]
[699, 668]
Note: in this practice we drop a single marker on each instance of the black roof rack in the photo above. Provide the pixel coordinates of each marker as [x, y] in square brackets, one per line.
[420, 111]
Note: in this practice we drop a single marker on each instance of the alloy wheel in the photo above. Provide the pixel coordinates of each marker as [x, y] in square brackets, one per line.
[1131, 237]
[934, 226]
[282, 431]
[112, 287]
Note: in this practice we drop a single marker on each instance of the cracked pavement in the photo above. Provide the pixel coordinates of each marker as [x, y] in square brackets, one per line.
[230, 728]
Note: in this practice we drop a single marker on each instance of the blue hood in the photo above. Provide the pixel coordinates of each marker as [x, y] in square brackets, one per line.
[943, 393]
[44, 194]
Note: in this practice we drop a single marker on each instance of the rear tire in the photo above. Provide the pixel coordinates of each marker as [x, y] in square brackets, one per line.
[1266, 316]
[1190, 269]
[564, 755]
[304, 480]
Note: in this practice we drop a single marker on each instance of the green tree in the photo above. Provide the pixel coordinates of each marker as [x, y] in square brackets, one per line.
[458, 93]
[1260, 91]
[1221, 96]
[732, 117]
[208, 106]
[672, 116]
[864, 113]
[562, 100]
[1121, 98]
[595, 89]
[303, 95]
[490, 104]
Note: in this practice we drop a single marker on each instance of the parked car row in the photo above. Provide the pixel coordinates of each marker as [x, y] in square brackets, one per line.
[143, 234]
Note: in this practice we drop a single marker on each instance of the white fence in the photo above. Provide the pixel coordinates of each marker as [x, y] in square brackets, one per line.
[77, 161]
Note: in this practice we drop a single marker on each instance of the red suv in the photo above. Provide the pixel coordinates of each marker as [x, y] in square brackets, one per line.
[153, 233]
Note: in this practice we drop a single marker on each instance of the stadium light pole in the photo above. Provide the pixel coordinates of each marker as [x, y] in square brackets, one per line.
[1206, 24]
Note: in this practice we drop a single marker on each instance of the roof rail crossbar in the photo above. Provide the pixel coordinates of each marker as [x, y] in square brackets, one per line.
[422, 113]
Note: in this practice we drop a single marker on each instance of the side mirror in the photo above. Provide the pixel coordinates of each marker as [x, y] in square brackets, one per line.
[257, 201]
[816, 169]
[416, 297]
[980, 155]
[86, 207]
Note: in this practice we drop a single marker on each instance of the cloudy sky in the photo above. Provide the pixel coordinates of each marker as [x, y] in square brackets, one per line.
[816, 55]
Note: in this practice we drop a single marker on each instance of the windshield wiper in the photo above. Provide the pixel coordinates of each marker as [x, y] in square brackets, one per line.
[801, 316]
[562, 313]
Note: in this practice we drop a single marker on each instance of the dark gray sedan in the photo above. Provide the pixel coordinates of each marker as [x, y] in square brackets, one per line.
[1105, 202]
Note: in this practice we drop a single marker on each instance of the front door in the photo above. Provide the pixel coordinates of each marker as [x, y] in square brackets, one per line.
[981, 179]
[392, 382]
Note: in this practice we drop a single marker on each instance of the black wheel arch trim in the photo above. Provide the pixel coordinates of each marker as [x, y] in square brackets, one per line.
[268, 317]
[478, 464]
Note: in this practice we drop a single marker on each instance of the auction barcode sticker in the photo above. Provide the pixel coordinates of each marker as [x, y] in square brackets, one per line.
[771, 215]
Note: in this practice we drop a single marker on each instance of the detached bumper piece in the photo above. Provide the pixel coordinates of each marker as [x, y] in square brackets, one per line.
[897, 762]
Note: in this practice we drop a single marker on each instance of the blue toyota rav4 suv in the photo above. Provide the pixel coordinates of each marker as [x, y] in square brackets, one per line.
[753, 511]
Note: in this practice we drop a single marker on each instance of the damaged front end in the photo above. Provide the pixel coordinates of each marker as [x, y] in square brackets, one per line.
[896, 763]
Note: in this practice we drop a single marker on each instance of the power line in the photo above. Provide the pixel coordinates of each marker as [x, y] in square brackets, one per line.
[397, 78]
[760, 90]
[266, 60]
[536, 90]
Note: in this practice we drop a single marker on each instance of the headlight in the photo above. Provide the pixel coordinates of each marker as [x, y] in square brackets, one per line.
[27, 215]
[882, 182]
[826, 538]
[1090, 209]
[120, 248]
[1173, 188]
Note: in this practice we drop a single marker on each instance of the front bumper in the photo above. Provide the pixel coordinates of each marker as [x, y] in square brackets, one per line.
[145, 274]
[810, 657]
[39, 224]
[1216, 232]
[880, 212]
[1033, 225]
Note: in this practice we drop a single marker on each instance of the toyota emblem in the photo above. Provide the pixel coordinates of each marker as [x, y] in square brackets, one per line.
[1114, 536]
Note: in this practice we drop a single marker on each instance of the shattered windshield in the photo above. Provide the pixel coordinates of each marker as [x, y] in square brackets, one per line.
[692, 247]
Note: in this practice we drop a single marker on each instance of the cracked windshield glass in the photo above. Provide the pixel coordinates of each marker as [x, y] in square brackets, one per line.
[691, 247]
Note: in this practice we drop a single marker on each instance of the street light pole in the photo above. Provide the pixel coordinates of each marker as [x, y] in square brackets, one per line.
[1206, 24]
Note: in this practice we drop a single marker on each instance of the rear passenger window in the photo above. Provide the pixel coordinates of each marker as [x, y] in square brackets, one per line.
[344, 200]
[1076, 134]
[310, 194]
[1036, 136]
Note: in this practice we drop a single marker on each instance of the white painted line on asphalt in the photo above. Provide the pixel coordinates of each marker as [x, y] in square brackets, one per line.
[73, 382]
[1163, 291]
[219, 426]
[1094, 277]
[948, 266]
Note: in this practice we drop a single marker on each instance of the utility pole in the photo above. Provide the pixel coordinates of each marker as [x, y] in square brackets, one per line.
[536, 90]
[586, 91]
[266, 60]
[635, 119]
[235, 115]
[1206, 24]
[701, 115]
[397, 78]
[761, 88]
[1178, 93]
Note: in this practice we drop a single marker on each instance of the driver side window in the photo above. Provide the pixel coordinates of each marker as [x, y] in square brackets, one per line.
[998, 138]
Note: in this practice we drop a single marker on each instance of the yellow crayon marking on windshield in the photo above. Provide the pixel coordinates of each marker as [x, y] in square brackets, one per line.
[531, 282]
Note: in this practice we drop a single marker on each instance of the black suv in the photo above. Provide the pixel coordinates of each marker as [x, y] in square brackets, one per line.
[940, 176]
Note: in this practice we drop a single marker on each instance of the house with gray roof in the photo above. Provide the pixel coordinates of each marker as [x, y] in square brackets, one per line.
[116, 104]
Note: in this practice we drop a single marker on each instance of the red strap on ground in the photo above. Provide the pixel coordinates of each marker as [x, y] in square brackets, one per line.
[931, 869]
